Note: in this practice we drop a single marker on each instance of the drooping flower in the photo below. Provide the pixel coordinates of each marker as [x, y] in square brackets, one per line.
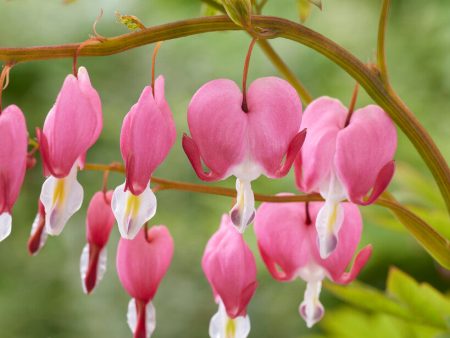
[72, 126]
[148, 133]
[231, 140]
[230, 268]
[287, 241]
[13, 161]
[38, 235]
[99, 223]
[141, 265]
[344, 161]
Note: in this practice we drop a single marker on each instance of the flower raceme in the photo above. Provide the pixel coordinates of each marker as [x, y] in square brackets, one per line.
[13, 161]
[71, 127]
[261, 138]
[141, 265]
[287, 241]
[148, 133]
[99, 223]
[230, 268]
[344, 161]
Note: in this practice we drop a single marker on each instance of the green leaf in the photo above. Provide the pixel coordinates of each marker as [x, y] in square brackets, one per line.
[405, 299]
[429, 238]
[347, 322]
[239, 11]
[207, 10]
[421, 299]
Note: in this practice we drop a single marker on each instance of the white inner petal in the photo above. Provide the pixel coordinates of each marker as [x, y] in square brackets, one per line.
[330, 216]
[243, 212]
[61, 197]
[5, 225]
[150, 320]
[222, 326]
[132, 211]
[311, 309]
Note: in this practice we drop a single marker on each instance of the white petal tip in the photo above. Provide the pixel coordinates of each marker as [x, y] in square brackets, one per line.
[131, 211]
[5, 225]
[133, 317]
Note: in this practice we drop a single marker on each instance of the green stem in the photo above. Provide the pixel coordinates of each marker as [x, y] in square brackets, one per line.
[381, 49]
[278, 27]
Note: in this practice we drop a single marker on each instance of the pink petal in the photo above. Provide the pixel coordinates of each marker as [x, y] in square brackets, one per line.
[360, 261]
[323, 119]
[363, 149]
[147, 136]
[164, 106]
[230, 268]
[100, 219]
[274, 116]
[283, 238]
[71, 126]
[218, 124]
[143, 262]
[193, 154]
[13, 155]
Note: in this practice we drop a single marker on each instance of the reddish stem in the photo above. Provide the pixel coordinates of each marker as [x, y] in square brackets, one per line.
[351, 108]
[4, 76]
[308, 216]
[245, 74]
[155, 53]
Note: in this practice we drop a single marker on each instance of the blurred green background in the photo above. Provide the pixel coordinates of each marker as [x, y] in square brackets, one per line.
[42, 297]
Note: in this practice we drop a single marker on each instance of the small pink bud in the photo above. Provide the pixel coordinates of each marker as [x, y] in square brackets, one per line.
[141, 265]
[13, 161]
[287, 241]
[99, 223]
[230, 268]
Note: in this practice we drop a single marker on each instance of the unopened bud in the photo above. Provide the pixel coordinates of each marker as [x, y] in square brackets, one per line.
[239, 11]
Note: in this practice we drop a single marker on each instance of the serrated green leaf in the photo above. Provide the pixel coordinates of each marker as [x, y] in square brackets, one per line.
[421, 299]
[369, 298]
[350, 323]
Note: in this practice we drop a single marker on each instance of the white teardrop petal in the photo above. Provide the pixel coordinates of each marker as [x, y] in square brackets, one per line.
[61, 197]
[222, 326]
[5, 225]
[132, 317]
[131, 211]
[84, 265]
[311, 309]
[243, 212]
[329, 220]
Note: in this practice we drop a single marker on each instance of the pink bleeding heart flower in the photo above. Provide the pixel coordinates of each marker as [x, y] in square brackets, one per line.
[13, 162]
[72, 126]
[344, 161]
[99, 223]
[148, 133]
[287, 241]
[38, 235]
[141, 265]
[230, 268]
[244, 143]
